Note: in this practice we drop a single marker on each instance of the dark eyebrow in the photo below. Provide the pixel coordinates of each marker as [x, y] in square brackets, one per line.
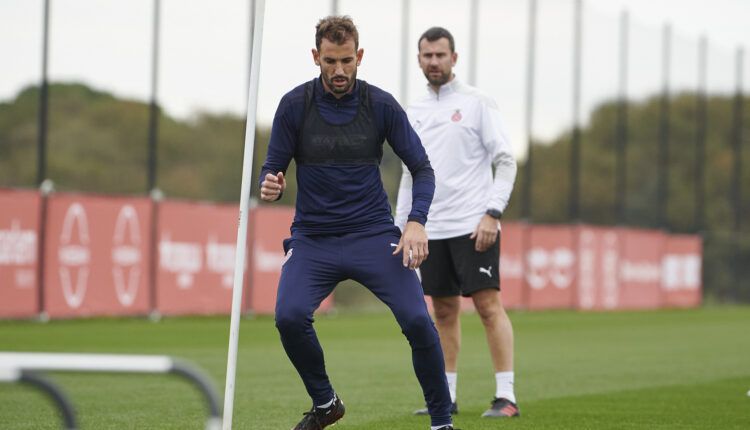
[348, 57]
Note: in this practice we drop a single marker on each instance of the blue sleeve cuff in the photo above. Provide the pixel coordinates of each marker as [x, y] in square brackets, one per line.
[418, 218]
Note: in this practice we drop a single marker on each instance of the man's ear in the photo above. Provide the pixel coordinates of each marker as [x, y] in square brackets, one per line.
[316, 56]
[360, 53]
[454, 58]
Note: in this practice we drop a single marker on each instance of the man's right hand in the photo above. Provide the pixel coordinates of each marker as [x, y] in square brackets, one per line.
[485, 233]
[414, 245]
[272, 187]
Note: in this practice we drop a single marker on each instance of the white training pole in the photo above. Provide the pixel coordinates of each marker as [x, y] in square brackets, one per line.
[247, 170]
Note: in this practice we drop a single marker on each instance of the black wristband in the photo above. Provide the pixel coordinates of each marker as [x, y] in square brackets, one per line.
[494, 213]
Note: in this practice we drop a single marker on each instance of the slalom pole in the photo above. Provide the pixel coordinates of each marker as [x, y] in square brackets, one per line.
[247, 170]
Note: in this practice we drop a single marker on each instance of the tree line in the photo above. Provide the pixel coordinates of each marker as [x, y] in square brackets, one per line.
[98, 143]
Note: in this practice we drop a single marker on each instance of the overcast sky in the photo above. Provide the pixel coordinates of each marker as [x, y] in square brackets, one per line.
[204, 45]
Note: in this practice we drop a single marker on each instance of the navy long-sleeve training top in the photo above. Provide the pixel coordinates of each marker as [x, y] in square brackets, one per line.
[341, 198]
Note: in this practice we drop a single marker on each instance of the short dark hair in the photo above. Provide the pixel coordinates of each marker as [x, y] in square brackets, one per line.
[436, 33]
[337, 29]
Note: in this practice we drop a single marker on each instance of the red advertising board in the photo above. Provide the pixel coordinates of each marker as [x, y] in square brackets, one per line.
[598, 268]
[550, 267]
[19, 236]
[511, 264]
[269, 227]
[97, 256]
[196, 251]
[682, 272]
[641, 253]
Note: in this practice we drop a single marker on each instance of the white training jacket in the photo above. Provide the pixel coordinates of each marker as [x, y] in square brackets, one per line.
[461, 131]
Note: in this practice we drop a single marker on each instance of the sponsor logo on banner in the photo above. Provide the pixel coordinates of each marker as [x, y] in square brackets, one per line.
[185, 259]
[603, 256]
[550, 267]
[220, 259]
[74, 255]
[511, 267]
[25, 278]
[267, 261]
[126, 255]
[642, 272]
[681, 272]
[587, 270]
[610, 265]
[18, 248]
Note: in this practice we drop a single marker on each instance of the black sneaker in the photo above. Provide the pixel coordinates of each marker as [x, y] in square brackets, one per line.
[424, 411]
[320, 418]
[502, 408]
[448, 428]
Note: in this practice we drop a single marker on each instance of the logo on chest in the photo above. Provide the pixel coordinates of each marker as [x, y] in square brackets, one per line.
[355, 144]
[456, 117]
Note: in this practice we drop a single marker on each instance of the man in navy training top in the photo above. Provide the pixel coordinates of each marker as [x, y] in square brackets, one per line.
[334, 127]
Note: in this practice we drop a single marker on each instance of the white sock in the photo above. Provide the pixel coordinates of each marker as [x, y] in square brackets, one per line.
[452, 378]
[327, 405]
[504, 384]
[439, 427]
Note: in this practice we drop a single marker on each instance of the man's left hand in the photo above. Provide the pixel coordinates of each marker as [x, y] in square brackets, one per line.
[485, 233]
[414, 245]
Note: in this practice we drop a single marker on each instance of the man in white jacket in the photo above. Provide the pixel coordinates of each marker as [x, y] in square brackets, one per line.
[460, 129]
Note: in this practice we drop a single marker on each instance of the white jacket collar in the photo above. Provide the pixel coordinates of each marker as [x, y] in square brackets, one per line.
[445, 89]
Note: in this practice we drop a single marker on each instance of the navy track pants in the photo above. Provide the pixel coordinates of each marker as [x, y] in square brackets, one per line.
[315, 265]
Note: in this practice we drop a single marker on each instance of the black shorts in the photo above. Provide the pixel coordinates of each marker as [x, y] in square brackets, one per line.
[455, 268]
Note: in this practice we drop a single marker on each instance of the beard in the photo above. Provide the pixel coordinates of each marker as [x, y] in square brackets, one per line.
[346, 88]
[440, 80]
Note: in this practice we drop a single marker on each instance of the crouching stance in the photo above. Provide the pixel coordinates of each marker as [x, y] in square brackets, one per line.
[334, 127]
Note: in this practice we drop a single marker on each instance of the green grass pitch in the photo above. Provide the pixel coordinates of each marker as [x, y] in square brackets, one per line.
[629, 370]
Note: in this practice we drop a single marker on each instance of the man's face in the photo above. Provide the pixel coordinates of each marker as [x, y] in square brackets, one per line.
[437, 61]
[338, 65]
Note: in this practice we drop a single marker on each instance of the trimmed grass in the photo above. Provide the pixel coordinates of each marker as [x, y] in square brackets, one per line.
[661, 370]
